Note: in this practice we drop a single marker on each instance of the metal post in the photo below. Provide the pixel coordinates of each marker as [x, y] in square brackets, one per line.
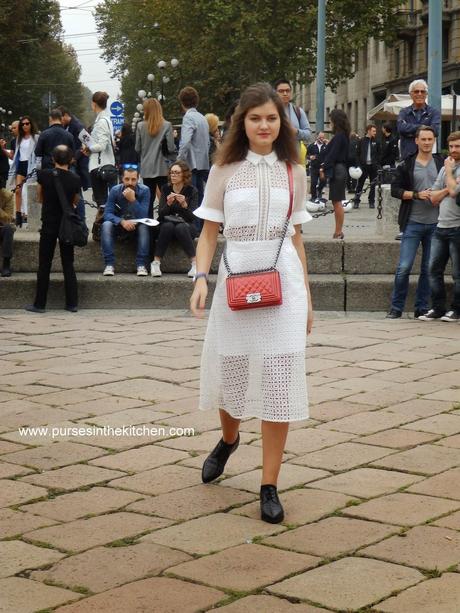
[454, 110]
[320, 65]
[435, 55]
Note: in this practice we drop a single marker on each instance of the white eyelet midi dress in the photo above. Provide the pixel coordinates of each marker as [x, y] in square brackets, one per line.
[253, 361]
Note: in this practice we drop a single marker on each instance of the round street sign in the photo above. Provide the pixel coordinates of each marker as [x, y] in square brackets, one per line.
[116, 108]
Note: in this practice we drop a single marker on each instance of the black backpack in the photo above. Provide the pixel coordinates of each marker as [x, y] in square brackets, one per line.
[72, 231]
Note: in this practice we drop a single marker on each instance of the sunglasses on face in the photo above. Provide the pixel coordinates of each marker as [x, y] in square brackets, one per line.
[130, 166]
[419, 91]
[25, 123]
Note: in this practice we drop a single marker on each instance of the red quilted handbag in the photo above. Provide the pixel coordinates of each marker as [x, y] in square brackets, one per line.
[258, 288]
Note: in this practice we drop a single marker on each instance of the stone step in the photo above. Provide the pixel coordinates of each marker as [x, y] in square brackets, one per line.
[172, 291]
[324, 256]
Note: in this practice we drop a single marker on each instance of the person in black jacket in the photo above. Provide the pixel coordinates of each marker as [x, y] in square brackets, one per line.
[178, 200]
[418, 215]
[334, 165]
[50, 138]
[314, 154]
[74, 127]
[369, 160]
[389, 146]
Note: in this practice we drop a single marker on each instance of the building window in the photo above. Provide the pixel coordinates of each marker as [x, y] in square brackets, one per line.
[411, 56]
[445, 45]
[365, 51]
[397, 61]
[365, 110]
[356, 61]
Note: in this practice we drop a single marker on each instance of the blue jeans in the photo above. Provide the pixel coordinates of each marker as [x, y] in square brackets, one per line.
[446, 243]
[141, 233]
[413, 235]
[199, 177]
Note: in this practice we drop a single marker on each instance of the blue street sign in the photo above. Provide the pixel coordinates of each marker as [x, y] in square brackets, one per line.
[116, 108]
[117, 122]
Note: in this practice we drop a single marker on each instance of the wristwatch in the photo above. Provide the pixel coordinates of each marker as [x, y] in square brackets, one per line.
[200, 275]
[414, 195]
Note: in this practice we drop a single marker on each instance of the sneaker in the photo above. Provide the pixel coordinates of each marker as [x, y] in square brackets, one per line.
[155, 270]
[142, 271]
[431, 315]
[192, 271]
[393, 314]
[33, 309]
[109, 271]
[451, 316]
[419, 312]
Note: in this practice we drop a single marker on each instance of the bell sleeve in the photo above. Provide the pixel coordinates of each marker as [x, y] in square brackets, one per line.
[300, 214]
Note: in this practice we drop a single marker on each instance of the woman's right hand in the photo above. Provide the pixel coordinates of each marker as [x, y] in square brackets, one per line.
[198, 297]
[170, 199]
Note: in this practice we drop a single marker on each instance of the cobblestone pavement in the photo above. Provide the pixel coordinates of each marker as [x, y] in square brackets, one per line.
[95, 522]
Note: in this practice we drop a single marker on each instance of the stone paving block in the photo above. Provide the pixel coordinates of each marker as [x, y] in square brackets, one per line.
[16, 556]
[419, 407]
[447, 395]
[24, 596]
[331, 537]
[403, 509]
[8, 470]
[248, 457]
[379, 400]
[109, 404]
[317, 395]
[451, 441]
[16, 492]
[56, 455]
[243, 568]
[336, 409]
[441, 595]
[445, 485]
[427, 547]
[191, 502]
[103, 568]
[143, 458]
[7, 447]
[263, 604]
[425, 459]
[37, 416]
[290, 476]
[73, 477]
[201, 421]
[349, 583]
[159, 480]
[366, 423]
[438, 424]
[450, 521]
[14, 523]
[128, 417]
[95, 501]
[66, 397]
[366, 482]
[42, 435]
[83, 534]
[301, 505]
[342, 456]
[144, 389]
[212, 533]
[150, 595]
[308, 439]
[396, 438]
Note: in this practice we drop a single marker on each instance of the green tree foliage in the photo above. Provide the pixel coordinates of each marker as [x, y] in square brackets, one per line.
[223, 45]
[35, 62]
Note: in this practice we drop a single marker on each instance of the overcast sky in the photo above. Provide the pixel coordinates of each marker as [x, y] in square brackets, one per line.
[77, 19]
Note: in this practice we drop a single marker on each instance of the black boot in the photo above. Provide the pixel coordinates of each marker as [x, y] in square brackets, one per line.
[270, 506]
[214, 464]
[6, 268]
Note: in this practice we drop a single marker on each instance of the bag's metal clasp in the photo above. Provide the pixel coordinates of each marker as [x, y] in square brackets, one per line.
[251, 298]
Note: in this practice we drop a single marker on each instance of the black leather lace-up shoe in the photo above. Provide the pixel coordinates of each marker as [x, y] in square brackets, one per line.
[270, 506]
[214, 464]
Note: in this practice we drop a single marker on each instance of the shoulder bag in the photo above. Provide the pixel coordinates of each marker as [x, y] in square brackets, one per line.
[258, 288]
[73, 230]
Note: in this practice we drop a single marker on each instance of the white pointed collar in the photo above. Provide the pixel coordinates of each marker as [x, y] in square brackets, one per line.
[256, 158]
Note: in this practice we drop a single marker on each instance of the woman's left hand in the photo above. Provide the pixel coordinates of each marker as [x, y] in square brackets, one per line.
[310, 320]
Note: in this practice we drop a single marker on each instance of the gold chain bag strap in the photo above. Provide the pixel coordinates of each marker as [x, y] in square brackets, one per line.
[258, 288]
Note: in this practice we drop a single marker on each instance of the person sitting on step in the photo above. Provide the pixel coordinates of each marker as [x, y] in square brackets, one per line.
[7, 229]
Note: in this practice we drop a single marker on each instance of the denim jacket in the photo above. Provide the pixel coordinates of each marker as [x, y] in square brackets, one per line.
[408, 124]
[118, 208]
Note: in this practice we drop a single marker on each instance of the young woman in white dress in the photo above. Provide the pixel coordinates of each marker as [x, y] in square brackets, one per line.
[253, 362]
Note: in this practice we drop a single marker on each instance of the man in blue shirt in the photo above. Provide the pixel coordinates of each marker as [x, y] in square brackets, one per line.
[296, 114]
[419, 113]
[126, 201]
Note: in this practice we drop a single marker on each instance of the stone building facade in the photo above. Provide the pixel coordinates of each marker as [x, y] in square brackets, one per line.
[381, 69]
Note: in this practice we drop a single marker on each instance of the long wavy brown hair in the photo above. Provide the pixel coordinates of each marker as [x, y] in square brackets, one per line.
[153, 115]
[236, 144]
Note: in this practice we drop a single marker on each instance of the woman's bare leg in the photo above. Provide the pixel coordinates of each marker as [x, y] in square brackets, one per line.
[230, 427]
[339, 215]
[274, 436]
[18, 193]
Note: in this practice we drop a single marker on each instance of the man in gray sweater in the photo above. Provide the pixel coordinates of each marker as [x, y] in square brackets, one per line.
[446, 238]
